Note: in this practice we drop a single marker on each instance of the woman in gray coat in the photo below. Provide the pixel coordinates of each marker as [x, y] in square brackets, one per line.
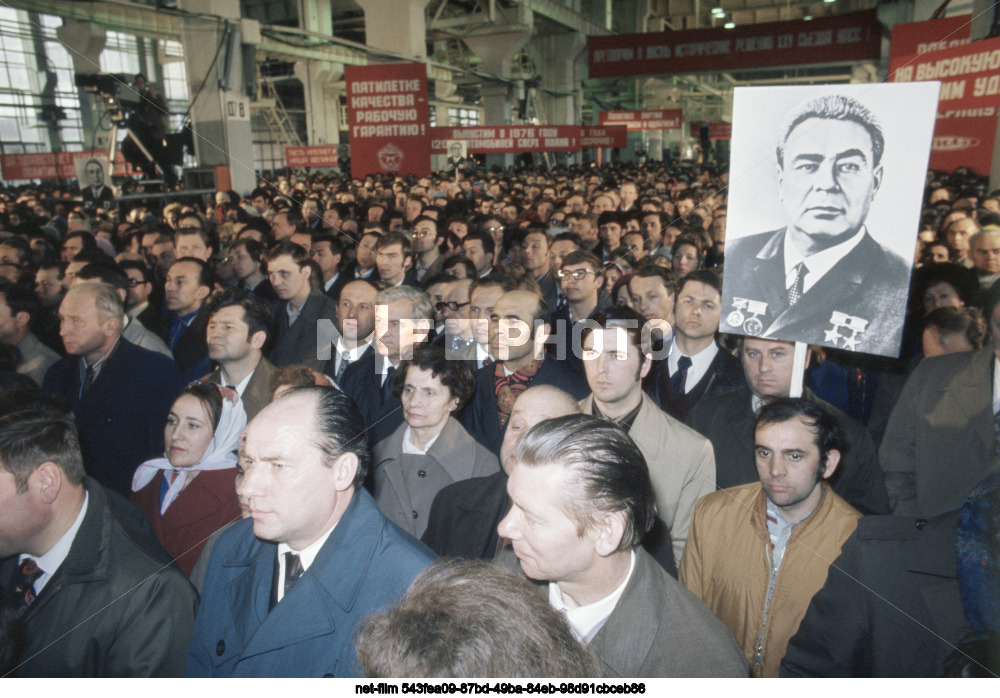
[430, 449]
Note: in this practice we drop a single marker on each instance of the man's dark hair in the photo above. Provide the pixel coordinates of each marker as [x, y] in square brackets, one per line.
[256, 313]
[395, 237]
[617, 317]
[205, 275]
[53, 264]
[606, 471]
[830, 436]
[256, 251]
[581, 257]
[106, 271]
[460, 259]
[294, 219]
[439, 278]
[207, 237]
[839, 108]
[20, 299]
[437, 225]
[22, 246]
[611, 217]
[704, 276]
[294, 250]
[648, 271]
[336, 247]
[260, 191]
[339, 426]
[471, 618]
[454, 375]
[571, 237]
[504, 281]
[28, 439]
[138, 266]
[87, 238]
[489, 246]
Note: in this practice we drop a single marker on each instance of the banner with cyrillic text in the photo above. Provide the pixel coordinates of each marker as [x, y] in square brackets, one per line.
[507, 139]
[643, 119]
[848, 37]
[914, 38]
[21, 166]
[311, 156]
[388, 118]
[604, 137]
[717, 130]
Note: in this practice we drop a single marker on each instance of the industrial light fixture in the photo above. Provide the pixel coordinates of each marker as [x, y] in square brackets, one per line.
[807, 18]
[729, 25]
[829, 1]
[718, 12]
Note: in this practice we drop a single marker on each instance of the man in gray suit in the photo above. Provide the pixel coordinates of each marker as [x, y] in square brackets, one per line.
[581, 500]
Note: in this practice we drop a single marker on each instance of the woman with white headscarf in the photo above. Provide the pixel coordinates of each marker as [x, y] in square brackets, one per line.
[190, 492]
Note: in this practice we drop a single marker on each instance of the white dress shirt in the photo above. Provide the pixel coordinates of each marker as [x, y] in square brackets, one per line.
[306, 556]
[699, 363]
[586, 621]
[56, 555]
[818, 264]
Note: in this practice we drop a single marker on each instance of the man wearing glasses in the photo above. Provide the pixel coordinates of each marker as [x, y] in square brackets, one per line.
[426, 237]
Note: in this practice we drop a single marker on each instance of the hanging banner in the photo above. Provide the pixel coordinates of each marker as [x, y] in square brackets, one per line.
[507, 139]
[915, 38]
[717, 130]
[968, 106]
[825, 188]
[604, 137]
[643, 119]
[388, 117]
[851, 37]
[18, 166]
[311, 156]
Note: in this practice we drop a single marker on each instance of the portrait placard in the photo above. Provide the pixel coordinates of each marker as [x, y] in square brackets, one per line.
[826, 185]
[94, 180]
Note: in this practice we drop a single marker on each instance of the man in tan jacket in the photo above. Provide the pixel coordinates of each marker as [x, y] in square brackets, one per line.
[757, 553]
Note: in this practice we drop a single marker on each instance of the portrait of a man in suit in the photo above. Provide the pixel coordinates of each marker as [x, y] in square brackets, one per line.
[822, 278]
[91, 176]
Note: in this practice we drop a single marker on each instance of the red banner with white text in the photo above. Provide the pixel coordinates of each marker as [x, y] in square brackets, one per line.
[18, 166]
[507, 139]
[604, 137]
[311, 156]
[643, 119]
[845, 38]
[388, 118]
[968, 105]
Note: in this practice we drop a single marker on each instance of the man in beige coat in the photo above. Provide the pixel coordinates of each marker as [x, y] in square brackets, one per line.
[681, 461]
[757, 553]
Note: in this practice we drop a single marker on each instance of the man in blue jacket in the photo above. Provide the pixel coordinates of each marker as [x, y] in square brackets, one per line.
[285, 589]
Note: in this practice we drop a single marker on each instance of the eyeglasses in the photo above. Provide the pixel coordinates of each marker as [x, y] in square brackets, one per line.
[577, 274]
[132, 283]
[440, 306]
[188, 229]
[493, 229]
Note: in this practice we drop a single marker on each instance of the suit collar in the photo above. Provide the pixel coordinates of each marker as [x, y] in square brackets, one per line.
[627, 638]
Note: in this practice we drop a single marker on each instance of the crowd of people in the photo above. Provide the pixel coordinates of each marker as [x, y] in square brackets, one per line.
[236, 434]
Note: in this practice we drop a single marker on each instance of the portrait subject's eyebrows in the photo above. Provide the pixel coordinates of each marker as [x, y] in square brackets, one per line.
[843, 155]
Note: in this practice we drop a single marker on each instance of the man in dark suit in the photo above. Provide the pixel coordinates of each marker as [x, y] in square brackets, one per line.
[96, 194]
[822, 279]
[285, 589]
[581, 500]
[695, 367]
[299, 309]
[402, 318]
[327, 251]
[189, 283]
[96, 594]
[727, 421]
[120, 393]
[239, 326]
[518, 331]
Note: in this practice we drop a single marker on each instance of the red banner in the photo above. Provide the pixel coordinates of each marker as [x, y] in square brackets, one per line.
[964, 141]
[17, 166]
[643, 119]
[508, 139]
[388, 118]
[934, 34]
[604, 137]
[311, 156]
[840, 38]
[969, 74]
[717, 130]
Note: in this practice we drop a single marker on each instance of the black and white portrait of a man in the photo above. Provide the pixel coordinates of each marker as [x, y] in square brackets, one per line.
[824, 272]
[91, 175]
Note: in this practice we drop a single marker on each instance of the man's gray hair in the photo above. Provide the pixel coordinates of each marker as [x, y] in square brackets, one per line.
[109, 305]
[837, 107]
[606, 471]
[422, 307]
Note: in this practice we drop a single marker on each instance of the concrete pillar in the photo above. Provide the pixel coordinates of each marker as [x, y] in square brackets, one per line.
[316, 16]
[221, 117]
[398, 26]
[85, 42]
[497, 49]
[319, 84]
[562, 57]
